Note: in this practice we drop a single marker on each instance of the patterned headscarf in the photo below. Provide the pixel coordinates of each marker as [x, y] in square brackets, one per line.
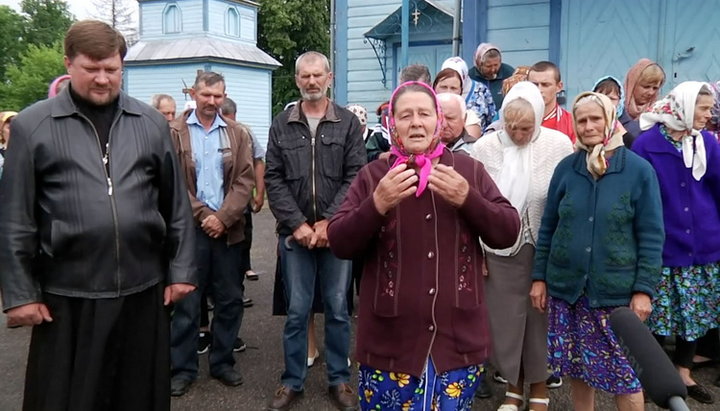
[520, 74]
[621, 98]
[597, 164]
[422, 160]
[631, 81]
[677, 112]
[360, 112]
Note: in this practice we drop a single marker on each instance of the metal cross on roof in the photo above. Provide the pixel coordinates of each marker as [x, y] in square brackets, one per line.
[416, 16]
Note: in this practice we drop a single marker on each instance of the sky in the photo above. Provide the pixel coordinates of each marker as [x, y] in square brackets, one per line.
[80, 8]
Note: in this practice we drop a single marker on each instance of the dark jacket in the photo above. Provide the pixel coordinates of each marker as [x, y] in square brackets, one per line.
[421, 291]
[69, 227]
[237, 169]
[601, 238]
[495, 85]
[306, 178]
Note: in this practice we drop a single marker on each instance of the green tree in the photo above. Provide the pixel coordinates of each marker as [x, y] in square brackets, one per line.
[28, 80]
[11, 27]
[286, 29]
[47, 21]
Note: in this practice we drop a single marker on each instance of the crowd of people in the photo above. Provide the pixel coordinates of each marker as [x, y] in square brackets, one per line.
[484, 227]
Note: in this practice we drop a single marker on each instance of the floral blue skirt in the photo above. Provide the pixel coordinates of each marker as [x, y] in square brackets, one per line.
[451, 390]
[581, 345]
[687, 301]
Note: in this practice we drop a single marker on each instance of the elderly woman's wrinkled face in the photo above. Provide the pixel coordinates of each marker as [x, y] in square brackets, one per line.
[520, 126]
[590, 123]
[703, 105]
[415, 121]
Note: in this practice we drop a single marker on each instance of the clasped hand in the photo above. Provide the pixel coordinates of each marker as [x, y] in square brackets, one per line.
[401, 182]
[312, 236]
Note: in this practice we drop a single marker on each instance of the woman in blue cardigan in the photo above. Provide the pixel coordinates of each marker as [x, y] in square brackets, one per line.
[599, 247]
[687, 162]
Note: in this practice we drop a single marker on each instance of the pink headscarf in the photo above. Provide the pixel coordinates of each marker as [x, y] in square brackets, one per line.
[631, 81]
[53, 90]
[484, 48]
[424, 160]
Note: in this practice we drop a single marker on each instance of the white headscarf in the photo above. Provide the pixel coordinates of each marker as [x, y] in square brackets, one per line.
[513, 178]
[677, 112]
[459, 65]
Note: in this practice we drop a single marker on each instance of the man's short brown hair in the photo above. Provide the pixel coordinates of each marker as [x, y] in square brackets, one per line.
[94, 39]
[209, 79]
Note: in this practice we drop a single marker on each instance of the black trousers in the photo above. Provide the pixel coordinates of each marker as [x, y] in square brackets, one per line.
[101, 354]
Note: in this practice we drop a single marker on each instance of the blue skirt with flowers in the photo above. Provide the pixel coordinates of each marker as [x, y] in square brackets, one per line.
[451, 390]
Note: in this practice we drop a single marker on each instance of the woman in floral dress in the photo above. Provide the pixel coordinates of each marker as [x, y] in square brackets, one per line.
[687, 162]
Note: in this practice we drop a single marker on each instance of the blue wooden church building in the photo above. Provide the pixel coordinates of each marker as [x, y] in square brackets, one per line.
[586, 38]
[179, 37]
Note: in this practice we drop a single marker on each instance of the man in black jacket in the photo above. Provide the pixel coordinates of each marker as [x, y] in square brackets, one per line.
[315, 149]
[96, 236]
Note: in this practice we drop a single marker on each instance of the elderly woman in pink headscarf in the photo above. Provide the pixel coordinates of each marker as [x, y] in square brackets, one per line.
[490, 70]
[415, 219]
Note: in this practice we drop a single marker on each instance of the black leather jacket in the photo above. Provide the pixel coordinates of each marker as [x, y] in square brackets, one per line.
[69, 227]
[306, 178]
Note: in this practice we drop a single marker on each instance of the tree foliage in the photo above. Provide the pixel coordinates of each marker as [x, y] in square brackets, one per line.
[47, 21]
[28, 80]
[286, 29]
[11, 28]
[30, 50]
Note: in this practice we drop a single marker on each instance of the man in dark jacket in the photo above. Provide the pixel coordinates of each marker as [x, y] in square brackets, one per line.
[95, 237]
[490, 70]
[315, 149]
[215, 156]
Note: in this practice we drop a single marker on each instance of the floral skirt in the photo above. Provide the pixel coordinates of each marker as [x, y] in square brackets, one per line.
[451, 390]
[687, 301]
[581, 345]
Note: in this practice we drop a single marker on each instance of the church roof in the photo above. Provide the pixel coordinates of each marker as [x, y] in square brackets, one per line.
[197, 48]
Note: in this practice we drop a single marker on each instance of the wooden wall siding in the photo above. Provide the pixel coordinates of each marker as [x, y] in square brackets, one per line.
[151, 15]
[217, 15]
[145, 81]
[521, 29]
[251, 90]
[591, 48]
[364, 77]
[248, 87]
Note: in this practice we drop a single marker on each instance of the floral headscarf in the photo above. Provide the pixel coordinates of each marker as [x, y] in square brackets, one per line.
[631, 81]
[597, 164]
[423, 160]
[360, 112]
[677, 112]
[621, 98]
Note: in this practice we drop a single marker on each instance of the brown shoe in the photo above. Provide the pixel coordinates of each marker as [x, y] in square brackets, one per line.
[343, 397]
[283, 399]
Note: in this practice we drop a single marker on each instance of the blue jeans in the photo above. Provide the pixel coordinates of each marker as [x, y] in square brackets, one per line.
[300, 267]
[218, 268]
